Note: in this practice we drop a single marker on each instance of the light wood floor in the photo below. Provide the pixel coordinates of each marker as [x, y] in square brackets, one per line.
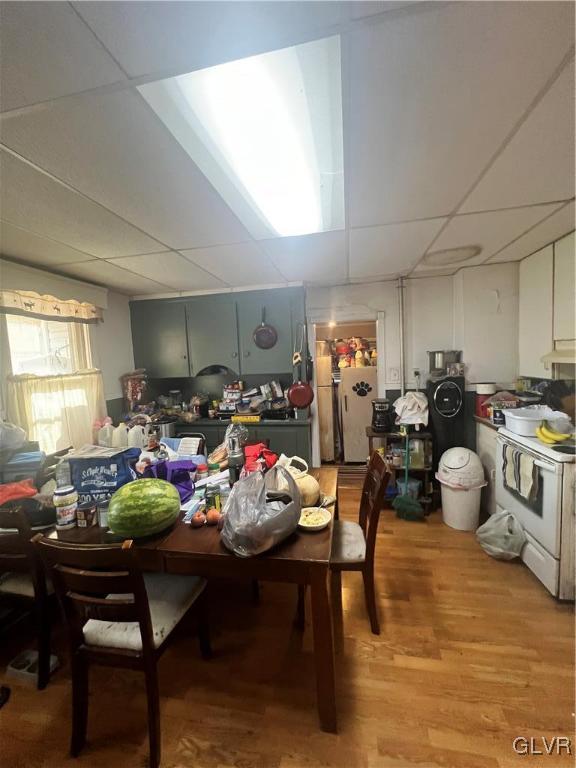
[473, 653]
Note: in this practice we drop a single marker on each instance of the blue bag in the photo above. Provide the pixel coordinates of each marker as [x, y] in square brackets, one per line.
[97, 472]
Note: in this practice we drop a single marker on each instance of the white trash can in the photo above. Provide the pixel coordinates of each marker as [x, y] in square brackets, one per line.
[461, 507]
[461, 475]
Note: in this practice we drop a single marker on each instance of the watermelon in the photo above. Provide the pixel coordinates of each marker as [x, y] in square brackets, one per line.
[143, 507]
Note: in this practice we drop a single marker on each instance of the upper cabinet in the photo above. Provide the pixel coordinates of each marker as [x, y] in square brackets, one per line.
[535, 312]
[564, 288]
[181, 338]
[212, 332]
[159, 337]
[273, 308]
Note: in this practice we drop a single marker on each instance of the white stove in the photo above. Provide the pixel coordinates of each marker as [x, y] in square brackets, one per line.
[533, 444]
[548, 515]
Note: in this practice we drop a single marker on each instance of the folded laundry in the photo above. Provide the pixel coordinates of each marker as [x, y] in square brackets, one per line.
[412, 408]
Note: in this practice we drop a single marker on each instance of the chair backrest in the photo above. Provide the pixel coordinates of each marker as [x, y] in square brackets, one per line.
[372, 500]
[99, 582]
[17, 555]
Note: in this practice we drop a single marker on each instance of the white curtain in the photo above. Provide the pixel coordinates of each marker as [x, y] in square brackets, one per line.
[57, 411]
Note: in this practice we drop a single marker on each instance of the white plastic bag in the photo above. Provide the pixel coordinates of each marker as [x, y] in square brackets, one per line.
[502, 536]
[11, 436]
[259, 514]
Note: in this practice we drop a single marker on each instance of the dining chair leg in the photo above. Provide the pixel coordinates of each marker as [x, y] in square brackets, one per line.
[337, 616]
[151, 674]
[79, 703]
[43, 634]
[370, 595]
[300, 618]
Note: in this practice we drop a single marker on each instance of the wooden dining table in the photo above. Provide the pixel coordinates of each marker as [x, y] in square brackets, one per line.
[303, 558]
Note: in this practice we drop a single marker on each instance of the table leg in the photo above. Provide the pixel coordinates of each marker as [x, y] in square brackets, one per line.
[323, 649]
[370, 445]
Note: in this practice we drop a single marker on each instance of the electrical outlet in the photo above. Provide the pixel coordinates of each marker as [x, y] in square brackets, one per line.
[394, 375]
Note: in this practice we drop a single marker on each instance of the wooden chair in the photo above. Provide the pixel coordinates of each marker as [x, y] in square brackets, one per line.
[353, 544]
[22, 577]
[118, 617]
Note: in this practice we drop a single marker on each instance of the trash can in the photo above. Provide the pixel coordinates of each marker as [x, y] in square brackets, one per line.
[461, 476]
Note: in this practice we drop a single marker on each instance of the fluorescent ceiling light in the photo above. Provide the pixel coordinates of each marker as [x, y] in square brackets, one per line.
[267, 133]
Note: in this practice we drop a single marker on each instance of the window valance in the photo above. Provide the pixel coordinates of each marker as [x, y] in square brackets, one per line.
[48, 307]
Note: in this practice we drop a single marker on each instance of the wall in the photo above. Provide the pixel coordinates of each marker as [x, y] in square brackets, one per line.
[112, 344]
[475, 310]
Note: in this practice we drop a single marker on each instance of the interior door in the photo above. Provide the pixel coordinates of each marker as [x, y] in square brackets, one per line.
[212, 332]
[159, 338]
[358, 387]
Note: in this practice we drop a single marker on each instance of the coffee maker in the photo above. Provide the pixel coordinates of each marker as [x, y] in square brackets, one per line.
[383, 415]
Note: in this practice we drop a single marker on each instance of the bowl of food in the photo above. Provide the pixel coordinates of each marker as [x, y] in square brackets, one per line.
[314, 518]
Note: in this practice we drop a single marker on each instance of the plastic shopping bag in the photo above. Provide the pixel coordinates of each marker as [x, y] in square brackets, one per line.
[502, 536]
[259, 514]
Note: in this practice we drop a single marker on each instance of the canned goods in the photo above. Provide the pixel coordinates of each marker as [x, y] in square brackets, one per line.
[86, 514]
[66, 516]
[103, 513]
[65, 496]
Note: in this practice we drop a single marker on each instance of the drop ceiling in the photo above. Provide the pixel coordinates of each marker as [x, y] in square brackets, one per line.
[458, 131]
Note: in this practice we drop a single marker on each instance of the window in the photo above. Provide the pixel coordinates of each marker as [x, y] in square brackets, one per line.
[266, 131]
[47, 347]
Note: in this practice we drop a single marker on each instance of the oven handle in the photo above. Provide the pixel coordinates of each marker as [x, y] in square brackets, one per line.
[543, 465]
[547, 466]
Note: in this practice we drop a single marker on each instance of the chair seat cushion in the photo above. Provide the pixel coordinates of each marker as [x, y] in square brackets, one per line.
[169, 597]
[20, 584]
[348, 543]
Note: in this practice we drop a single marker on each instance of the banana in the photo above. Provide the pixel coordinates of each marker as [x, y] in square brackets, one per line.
[542, 437]
[553, 434]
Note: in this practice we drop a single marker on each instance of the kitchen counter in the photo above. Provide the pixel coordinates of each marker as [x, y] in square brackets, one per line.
[261, 423]
[487, 423]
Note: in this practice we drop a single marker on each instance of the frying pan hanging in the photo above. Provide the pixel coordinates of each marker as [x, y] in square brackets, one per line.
[300, 393]
[265, 336]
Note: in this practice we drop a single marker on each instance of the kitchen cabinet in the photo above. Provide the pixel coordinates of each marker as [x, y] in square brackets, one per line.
[564, 288]
[292, 438]
[487, 450]
[277, 309]
[535, 312]
[212, 332]
[159, 337]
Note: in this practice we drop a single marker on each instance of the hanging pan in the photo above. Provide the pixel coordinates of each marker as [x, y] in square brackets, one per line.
[300, 393]
[265, 336]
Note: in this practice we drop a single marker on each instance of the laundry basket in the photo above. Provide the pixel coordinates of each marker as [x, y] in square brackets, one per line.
[461, 476]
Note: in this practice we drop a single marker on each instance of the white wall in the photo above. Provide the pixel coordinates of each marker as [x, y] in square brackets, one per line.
[112, 344]
[476, 311]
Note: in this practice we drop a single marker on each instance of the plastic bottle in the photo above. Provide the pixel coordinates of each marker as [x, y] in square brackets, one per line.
[120, 436]
[105, 433]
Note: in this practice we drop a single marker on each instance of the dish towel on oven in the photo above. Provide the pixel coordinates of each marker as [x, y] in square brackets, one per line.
[520, 472]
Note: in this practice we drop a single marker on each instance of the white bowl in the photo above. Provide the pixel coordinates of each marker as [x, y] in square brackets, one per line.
[307, 512]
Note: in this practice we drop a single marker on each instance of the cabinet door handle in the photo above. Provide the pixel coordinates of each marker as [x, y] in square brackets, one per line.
[346, 402]
[234, 354]
[184, 357]
[246, 353]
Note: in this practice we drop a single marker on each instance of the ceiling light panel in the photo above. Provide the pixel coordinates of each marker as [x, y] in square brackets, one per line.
[267, 133]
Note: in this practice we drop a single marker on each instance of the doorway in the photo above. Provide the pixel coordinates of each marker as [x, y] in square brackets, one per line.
[347, 381]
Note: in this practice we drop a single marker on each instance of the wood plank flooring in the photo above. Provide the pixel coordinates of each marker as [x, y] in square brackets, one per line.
[473, 653]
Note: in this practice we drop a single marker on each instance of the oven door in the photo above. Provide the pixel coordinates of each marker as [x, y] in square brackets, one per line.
[541, 516]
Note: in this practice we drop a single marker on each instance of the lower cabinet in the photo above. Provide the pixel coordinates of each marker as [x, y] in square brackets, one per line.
[487, 450]
[291, 439]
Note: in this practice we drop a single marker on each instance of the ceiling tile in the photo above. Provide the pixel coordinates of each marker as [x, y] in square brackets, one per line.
[240, 264]
[46, 52]
[153, 37]
[113, 148]
[391, 249]
[491, 231]
[310, 258]
[554, 227]
[106, 273]
[538, 164]
[31, 200]
[27, 246]
[172, 269]
[433, 95]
